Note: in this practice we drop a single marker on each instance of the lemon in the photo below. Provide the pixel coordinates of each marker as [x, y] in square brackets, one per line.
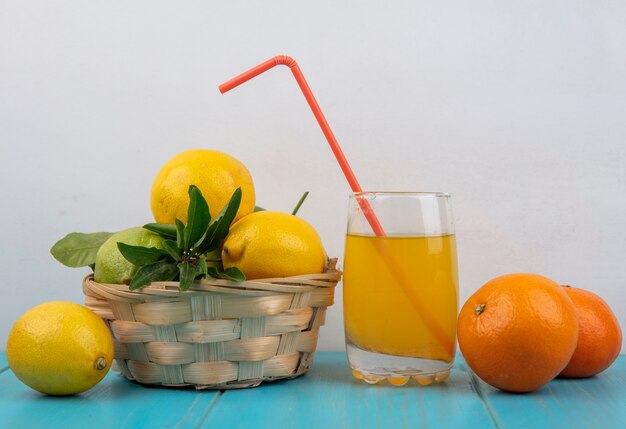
[111, 266]
[60, 348]
[272, 244]
[215, 173]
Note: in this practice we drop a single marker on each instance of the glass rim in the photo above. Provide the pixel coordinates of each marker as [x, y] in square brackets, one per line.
[365, 194]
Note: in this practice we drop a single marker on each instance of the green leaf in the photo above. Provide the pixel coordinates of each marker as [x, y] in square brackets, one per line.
[193, 240]
[258, 209]
[78, 249]
[138, 255]
[218, 229]
[234, 274]
[198, 218]
[166, 230]
[163, 270]
[174, 251]
[202, 265]
[180, 233]
[231, 273]
[188, 273]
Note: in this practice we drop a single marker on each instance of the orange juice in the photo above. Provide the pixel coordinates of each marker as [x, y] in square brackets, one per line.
[378, 315]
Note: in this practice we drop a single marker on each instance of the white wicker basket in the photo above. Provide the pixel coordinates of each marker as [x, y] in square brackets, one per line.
[219, 334]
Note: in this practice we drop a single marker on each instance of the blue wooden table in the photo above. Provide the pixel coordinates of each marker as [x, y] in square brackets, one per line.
[326, 397]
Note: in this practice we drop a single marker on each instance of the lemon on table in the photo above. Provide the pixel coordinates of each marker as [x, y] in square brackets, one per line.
[60, 348]
[272, 244]
[215, 173]
[111, 266]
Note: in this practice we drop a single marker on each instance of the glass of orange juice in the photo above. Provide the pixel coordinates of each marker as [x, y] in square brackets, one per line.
[400, 287]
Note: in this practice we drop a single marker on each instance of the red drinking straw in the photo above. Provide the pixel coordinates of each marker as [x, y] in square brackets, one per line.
[421, 307]
[321, 120]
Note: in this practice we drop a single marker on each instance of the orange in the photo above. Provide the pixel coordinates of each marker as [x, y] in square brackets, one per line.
[518, 331]
[599, 335]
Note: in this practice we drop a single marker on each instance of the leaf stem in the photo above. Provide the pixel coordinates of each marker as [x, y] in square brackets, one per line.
[295, 210]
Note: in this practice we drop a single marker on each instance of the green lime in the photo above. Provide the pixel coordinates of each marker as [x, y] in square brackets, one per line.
[214, 259]
[111, 266]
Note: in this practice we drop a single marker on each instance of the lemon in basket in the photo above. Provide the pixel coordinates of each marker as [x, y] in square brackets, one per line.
[215, 173]
[268, 244]
[60, 348]
[111, 266]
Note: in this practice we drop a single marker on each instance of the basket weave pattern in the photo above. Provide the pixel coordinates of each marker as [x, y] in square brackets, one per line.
[219, 334]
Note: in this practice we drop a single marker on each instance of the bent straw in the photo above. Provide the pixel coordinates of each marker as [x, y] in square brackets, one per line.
[317, 112]
[445, 341]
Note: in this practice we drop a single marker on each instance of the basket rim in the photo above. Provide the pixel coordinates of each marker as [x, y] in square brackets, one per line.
[257, 287]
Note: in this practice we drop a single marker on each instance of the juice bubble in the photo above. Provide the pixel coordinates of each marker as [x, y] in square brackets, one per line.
[372, 379]
[424, 380]
[442, 376]
[398, 381]
[356, 374]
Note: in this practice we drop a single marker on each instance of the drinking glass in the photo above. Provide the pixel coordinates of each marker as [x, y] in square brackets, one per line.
[400, 287]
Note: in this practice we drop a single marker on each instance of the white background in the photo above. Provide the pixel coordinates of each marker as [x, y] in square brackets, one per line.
[518, 109]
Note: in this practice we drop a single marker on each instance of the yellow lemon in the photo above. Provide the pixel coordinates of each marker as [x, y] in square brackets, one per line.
[60, 348]
[273, 244]
[111, 266]
[215, 173]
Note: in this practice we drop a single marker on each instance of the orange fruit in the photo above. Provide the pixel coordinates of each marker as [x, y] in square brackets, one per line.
[518, 331]
[599, 335]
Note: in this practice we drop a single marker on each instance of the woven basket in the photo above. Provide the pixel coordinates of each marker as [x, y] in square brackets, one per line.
[219, 334]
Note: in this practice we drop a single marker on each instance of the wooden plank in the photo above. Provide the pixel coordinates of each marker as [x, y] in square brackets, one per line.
[114, 403]
[597, 402]
[328, 396]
